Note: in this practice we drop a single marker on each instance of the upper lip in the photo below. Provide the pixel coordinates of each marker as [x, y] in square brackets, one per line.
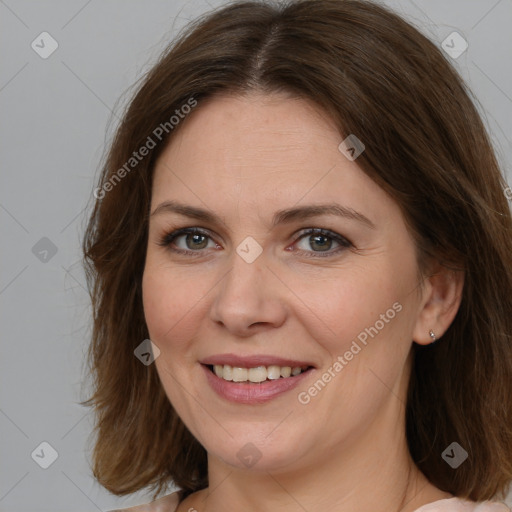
[252, 361]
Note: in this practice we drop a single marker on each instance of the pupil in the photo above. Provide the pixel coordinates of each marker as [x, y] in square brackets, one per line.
[316, 237]
[195, 237]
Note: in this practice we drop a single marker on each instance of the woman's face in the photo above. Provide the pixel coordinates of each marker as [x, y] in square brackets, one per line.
[257, 285]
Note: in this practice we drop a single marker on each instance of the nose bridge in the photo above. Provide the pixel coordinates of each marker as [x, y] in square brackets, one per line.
[245, 295]
[247, 264]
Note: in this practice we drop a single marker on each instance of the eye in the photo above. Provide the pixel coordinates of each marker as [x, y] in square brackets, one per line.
[322, 239]
[196, 239]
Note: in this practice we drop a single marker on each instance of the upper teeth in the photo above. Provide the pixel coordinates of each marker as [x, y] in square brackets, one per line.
[258, 374]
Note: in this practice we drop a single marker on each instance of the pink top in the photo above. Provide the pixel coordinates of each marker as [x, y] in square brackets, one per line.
[458, 505]
[170, 502]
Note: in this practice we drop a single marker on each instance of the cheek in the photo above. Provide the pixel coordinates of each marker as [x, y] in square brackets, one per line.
[169, 312]
[339, 308]
[365, 316]
[168, 302]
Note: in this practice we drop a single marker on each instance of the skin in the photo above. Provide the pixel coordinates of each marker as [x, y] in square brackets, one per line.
[243, 158]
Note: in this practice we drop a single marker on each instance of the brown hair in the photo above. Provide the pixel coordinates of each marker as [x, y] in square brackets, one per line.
[379, 78]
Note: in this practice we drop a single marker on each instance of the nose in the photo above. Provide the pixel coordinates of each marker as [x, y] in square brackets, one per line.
[249, 298]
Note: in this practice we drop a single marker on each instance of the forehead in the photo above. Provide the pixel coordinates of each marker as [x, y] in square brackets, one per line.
[263, 151]
[234, 131]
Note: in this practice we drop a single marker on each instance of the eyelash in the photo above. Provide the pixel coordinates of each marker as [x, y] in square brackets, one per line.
[168, 238]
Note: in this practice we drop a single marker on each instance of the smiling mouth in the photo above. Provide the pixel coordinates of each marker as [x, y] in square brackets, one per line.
[256, 375]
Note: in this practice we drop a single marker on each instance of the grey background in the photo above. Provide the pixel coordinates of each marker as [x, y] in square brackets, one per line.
[55, 114]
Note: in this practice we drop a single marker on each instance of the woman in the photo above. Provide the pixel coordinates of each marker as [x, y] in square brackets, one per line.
[300, 266]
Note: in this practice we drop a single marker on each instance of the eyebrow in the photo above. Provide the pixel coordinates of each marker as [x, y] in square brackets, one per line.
[280, 217]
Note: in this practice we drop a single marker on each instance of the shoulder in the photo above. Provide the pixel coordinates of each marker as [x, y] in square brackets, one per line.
[167, 503]
[459, 505]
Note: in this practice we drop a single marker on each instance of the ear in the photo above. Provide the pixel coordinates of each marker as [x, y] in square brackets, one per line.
[442, 294]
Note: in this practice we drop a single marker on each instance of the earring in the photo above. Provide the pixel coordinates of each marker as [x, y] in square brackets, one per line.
[432, 336]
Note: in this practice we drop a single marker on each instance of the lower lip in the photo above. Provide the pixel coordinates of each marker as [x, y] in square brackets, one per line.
[253, 393]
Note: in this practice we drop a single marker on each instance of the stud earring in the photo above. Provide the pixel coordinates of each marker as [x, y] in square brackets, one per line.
[432, 336]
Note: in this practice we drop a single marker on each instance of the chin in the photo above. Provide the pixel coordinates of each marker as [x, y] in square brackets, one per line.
[257, 454]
